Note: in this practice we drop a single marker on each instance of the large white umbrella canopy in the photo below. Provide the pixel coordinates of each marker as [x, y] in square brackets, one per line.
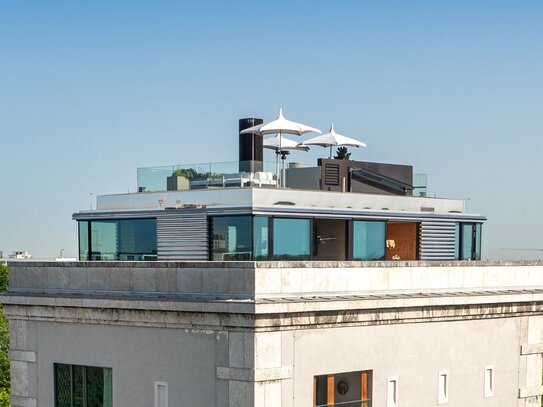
[280, 126]
[286, 144]
[332, 139]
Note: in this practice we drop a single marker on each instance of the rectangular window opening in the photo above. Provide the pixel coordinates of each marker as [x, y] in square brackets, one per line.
[489, 381]
[120, 239]
[443, 387]
[348, 389]
[82, 386]
[161, 394]
[392, 392]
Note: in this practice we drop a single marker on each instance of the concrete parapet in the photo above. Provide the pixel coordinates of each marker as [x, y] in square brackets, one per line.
[253, 280]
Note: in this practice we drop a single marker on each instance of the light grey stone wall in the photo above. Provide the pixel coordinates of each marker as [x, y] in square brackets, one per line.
[255, 334]
[253, 280]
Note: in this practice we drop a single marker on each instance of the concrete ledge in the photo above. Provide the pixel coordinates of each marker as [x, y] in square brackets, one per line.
[525, 392]
[17, 401]
[22, 356]
[254, 375]
[531, 349]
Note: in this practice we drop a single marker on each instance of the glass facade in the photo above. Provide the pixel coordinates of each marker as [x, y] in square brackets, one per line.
[82, 386]
[231, 238]
[369, 239]
[468, 241]
[260, 237]
[291, 239]
[126, 239]
[83, 240]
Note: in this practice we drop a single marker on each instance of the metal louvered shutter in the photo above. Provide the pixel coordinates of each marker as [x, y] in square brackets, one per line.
[437, 240]
[182, 237]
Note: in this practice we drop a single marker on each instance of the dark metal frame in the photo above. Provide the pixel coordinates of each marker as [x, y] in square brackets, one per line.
[473, 237]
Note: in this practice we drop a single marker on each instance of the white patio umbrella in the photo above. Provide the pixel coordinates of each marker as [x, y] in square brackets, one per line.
[281, 145]
[274, 143]
[281, 126]
[332, 139]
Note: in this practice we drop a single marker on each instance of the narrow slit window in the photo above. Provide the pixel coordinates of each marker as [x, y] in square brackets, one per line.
[489, 381]
[443, 387]
[161, 394]
[392, 392]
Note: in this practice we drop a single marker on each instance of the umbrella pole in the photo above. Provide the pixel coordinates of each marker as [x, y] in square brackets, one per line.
[277, 167]
[280, 152]
[330, 152]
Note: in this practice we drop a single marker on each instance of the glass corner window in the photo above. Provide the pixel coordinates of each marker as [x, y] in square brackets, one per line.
[231, 238]
[260, 237]
[83, 227]
[126, 239]
[468, 241]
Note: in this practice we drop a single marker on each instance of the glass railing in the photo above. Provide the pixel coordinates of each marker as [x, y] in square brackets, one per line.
[209, 175]
[420, 184]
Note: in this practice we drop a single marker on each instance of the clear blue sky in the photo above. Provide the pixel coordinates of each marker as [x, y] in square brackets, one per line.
[89, 91]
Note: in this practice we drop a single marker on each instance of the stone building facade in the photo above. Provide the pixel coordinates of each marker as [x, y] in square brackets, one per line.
[291, 334]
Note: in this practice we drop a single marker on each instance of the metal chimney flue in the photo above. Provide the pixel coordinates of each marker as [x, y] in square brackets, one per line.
[251, 152]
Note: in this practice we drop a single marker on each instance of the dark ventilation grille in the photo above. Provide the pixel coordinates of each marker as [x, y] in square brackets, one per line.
[331, 174]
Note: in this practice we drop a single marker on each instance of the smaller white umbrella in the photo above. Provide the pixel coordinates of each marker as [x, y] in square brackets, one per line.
[332, 139]
[274, 143]
[282, 144]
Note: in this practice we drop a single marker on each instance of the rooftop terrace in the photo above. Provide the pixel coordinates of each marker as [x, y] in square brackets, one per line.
[243, 174]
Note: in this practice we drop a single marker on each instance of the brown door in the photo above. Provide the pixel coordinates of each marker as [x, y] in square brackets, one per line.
[402, 241]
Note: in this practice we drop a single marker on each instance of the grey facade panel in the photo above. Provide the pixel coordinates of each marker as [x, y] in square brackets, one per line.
[182, 236]
[437, 240]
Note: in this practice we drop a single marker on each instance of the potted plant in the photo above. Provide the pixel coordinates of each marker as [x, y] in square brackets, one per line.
[180, 179]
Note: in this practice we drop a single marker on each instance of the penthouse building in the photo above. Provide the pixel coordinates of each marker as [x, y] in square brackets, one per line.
[236, 285]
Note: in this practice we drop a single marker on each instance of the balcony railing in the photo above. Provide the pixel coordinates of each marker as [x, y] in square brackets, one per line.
[208, 175]
[230, 174]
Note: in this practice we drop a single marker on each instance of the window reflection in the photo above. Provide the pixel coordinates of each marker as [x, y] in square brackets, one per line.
[231, 238]
[469, 235]
[83, 240]
[127, 239]
[291, 239]
[260, 237]
[369, 240]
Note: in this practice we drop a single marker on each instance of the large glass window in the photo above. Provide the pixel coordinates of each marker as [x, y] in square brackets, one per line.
[291, 239]
[82, 386]
[469, 241]
[466, 241]
[260, 237]
[126, 239]
[83, 240]
[231, 238]
[477, 248]
[369, 240]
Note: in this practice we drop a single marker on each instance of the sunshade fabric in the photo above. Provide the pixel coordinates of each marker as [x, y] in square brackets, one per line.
[282, 126]
[332, 139]
[274, 143]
